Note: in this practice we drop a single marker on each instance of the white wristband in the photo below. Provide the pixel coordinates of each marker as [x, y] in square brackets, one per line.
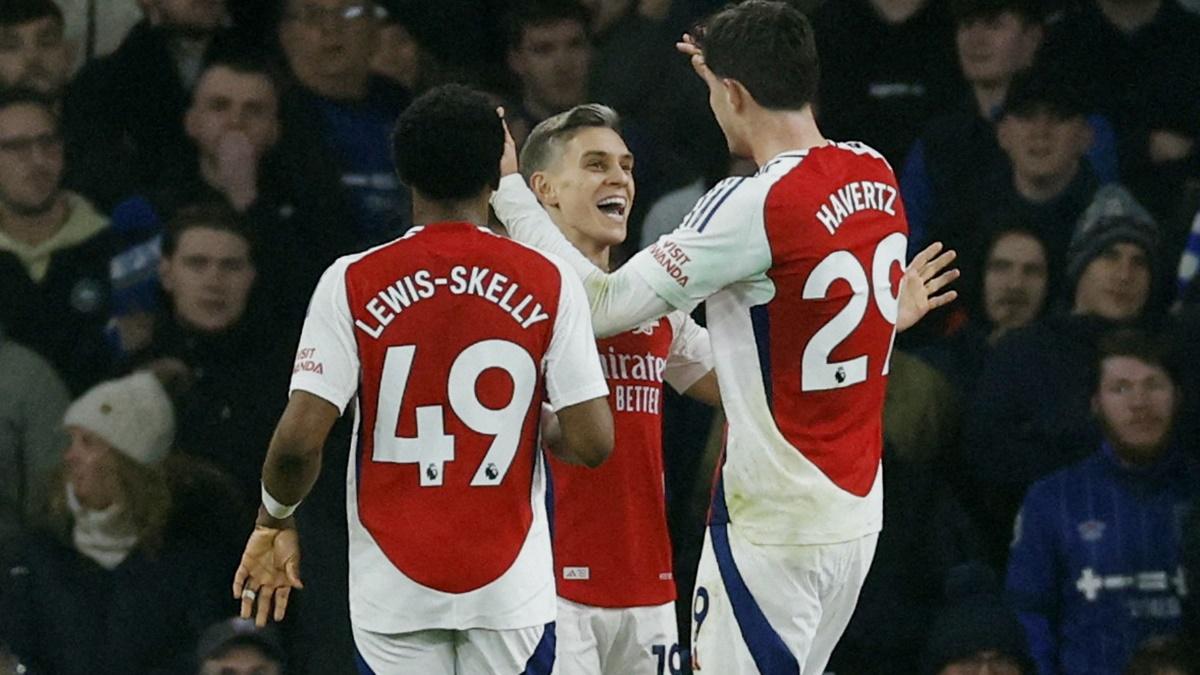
[273, 506]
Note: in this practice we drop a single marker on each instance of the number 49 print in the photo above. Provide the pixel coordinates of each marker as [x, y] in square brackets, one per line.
[432, 447]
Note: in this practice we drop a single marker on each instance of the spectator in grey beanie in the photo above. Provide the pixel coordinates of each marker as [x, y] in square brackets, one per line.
[1113, 261]
[111, 584]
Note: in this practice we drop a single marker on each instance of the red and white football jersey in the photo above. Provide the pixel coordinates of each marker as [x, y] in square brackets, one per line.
[451, 337]
[611, 547]
[800, 266]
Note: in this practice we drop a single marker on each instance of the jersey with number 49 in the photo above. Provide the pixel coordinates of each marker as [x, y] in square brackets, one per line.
[800, 266]
[451, 337]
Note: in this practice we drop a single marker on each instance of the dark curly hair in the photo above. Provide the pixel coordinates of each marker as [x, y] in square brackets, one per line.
[448, 143]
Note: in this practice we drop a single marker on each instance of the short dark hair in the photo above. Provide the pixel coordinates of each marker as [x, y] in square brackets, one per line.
[1044, 89]
[540, 13]
[1153, 349]
[963, 11]
[448, 143]
[544, 144]
[768, 46]
[24, 96]
[208, 215]
[16, 12]
[245, 60]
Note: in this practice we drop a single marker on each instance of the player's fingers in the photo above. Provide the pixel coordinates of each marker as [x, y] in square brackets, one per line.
[925, 256]
[239, 580]
[941, 281]
[942, 300]
[247, 604]
[281, 601]
[265, 595]
[500, 111]
[935, 266]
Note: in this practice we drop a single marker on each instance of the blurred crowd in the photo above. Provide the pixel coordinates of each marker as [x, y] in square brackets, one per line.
[176, 174]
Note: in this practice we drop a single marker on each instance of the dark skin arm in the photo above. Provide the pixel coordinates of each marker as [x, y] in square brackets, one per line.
[270, 565]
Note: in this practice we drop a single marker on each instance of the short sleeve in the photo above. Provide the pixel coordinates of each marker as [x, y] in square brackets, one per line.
[572, 364]
[327, 362]
[690, 357]
[721, 241]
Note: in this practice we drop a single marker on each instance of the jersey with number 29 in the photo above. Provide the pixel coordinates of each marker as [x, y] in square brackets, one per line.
[451, 337]
[800, 266]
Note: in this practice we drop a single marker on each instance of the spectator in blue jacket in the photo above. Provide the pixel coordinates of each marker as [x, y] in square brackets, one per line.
[1095, 568]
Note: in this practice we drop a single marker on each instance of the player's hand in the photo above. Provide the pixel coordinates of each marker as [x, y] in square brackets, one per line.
[269, 570]
[691, 48]
[923, 278]
[508, 161]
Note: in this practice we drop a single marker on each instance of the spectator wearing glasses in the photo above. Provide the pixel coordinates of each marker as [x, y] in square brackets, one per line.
[54, 247]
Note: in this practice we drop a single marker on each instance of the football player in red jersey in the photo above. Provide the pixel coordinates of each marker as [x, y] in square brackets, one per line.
[448, 339]
[801, 268]
[615, 585]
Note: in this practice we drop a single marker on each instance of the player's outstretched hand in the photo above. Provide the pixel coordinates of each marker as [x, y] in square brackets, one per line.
[269, 570]
[508, 161]
[689, 46]
[924, 277]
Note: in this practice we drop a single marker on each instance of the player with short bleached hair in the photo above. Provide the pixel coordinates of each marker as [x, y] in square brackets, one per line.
[616, 587]
[448, 339]
[801, 267]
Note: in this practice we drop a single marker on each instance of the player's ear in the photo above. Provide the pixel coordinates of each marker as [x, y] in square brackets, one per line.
[735, 94]
[543, 188]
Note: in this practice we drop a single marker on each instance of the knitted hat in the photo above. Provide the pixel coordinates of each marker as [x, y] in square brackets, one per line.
[1113, 216]
[133, 414]
[976, 620]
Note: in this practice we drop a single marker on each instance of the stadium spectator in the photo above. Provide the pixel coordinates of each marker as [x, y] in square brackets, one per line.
[888, 67]
[33, 53]
[976, 632]
[549, 52]
[54, 248]
[32, 401]
[235, 369]
[1045, 182]
[1030, 413]
[95, 28]
[247, 159]
[347, 110]
[237, 647]
[1133, 63]
[109, 585]
[123, 113]
[958, 151]
[1009, 286]
[1096, 564]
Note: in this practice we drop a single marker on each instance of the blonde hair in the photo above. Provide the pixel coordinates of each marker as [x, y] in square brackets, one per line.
[144, 495]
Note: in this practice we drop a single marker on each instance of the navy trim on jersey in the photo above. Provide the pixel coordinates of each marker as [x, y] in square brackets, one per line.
[701, 206]
[801, 154]
[542, 660]
[712, 211]
[767, 648]
[760, 322]
[549, 479]
[361, 664]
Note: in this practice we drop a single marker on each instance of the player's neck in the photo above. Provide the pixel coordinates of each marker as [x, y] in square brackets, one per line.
[594, 251]
[776, 132]
[429, 211]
